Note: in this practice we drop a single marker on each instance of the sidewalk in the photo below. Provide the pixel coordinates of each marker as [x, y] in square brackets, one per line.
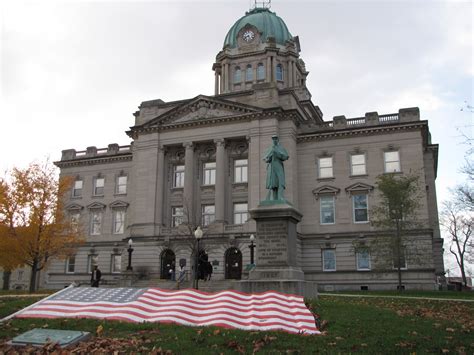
[401, 297]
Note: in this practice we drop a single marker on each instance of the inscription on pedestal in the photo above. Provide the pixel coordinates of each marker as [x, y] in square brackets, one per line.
[272, 247]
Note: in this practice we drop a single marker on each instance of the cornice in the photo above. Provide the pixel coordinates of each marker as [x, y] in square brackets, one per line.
[355, 131]
[94, 160]
[278, 114]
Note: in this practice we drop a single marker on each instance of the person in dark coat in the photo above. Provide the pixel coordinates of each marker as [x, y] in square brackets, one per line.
[95, 277]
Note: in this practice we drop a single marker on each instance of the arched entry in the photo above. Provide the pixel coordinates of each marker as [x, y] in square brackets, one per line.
[168, 262]
[233, 264]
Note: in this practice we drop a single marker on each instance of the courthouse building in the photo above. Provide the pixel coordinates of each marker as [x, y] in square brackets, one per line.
[198, 161]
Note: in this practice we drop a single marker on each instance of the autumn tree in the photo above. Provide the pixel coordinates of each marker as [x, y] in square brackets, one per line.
[35, 227]
[458, 225]
[395, 216]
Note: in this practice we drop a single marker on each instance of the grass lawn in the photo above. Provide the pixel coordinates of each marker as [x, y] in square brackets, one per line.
[364, 325]
[408, 293]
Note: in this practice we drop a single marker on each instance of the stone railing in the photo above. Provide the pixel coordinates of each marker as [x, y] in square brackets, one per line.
[112, 149]
[372, 119]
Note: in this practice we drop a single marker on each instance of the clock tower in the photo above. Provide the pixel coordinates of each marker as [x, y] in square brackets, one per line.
[260, 52]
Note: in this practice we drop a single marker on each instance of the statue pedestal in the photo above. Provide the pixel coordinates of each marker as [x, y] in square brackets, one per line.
[276, 260]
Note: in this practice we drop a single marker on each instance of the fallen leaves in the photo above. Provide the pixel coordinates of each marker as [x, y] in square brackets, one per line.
[260, 343]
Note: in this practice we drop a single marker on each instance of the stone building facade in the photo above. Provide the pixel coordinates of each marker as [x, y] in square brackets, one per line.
[199, 161]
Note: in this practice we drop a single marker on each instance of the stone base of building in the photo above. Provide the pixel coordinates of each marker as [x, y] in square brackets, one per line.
[303, 288]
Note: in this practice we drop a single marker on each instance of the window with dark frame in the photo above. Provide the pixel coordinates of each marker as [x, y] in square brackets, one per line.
[121, 187]
[177, 214]
[360, 208]
[240, 170]
[329, 260]
[77, 188]
[99, 186]
[178, 176]
[209, 173]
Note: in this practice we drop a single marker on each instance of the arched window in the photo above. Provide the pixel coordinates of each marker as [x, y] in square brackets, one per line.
[249, 73]
[237, 75]
[260, 71]
[279, 72]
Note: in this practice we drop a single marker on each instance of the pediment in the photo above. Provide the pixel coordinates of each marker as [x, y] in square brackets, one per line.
[119, 204]
[96, 205]
[74, 207]
[201, 108]
[326, 190]
[359, 187]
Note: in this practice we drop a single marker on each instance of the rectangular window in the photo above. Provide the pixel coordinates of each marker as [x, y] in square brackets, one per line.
[360, 207]
[363, 259]
[77, 188]
[176, 216]
[121, 186]
[92, 261]
[99, 186]
[178, 176]
[96, 222]
[240, 213]
[119, 221]
[392, 162]
[210, 173]
[241, 170]
[325, 168]
[70, 265]
[208, 214]
[75, 217]
[403, 261]
[20, 275]
[116, 263]
[329, 260]
[358, 164]
[327, 209]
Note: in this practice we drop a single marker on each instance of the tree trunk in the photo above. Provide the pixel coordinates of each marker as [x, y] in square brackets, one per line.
[34, 270]
[463, 273]
[399, 249]
[6, 280]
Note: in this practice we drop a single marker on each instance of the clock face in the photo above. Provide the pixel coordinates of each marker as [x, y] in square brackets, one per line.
[248, 36]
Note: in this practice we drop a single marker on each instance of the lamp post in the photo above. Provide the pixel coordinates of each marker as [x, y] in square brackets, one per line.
[198, 235]
[252, 247]
[130, 251]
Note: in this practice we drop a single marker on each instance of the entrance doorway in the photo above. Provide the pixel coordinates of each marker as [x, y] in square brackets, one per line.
[233, 264]
[168, 262]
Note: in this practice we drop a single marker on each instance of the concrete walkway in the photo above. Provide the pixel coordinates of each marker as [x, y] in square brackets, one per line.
[401, 297]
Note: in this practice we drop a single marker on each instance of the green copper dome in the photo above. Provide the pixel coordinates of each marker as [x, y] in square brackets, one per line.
[267, 22]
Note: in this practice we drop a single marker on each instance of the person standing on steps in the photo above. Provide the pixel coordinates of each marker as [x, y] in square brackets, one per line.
[95, 277]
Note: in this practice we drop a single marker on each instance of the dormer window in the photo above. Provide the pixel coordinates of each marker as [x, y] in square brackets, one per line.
[260, 72]
[249, 73]
[237, 75]
[279, 72]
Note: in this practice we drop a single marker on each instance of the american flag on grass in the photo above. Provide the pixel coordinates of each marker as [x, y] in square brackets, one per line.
[231, 309]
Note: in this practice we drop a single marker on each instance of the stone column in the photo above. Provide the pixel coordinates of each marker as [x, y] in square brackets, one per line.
[221, 83]
[188, 198]
[220, 180]
[269, 70]
[160, 180]
[216, 83]
[290, 73]
[226, 77]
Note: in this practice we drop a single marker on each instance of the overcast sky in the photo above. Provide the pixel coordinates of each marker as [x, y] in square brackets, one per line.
[73, 72]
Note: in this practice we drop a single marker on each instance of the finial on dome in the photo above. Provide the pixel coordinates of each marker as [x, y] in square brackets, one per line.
[262, 4]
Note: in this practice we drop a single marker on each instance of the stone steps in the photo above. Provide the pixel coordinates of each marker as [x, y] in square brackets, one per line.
[206, 286]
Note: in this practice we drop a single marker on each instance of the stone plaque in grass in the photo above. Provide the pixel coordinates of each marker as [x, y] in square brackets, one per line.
[40, 337]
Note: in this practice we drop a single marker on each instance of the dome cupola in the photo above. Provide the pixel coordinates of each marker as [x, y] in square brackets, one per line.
[265, 21]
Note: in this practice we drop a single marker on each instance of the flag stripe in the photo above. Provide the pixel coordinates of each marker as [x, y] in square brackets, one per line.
[264, 311]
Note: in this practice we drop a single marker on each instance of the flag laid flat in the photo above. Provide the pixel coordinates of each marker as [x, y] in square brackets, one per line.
[231, 309]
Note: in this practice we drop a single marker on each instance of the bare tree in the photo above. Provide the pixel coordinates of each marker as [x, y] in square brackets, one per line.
[458, 225]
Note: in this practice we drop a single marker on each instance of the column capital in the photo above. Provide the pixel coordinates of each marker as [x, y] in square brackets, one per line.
[219, 141]
[161, 148]
[188, 145]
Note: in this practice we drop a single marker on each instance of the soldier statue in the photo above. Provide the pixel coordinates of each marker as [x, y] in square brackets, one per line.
[274, 157]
